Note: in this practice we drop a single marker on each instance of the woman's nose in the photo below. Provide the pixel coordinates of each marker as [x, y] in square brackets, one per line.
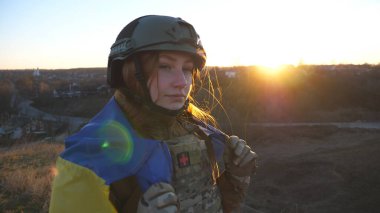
[180, 79]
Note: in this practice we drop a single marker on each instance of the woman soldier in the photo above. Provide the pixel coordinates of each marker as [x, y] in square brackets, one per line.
[150, 149]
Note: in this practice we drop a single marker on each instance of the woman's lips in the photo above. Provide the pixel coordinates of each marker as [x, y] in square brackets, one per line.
[177, 97]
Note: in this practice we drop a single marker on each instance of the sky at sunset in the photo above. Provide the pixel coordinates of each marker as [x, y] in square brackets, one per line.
[69, 34]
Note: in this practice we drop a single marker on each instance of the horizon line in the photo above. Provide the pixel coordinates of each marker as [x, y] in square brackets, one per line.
[282, 65]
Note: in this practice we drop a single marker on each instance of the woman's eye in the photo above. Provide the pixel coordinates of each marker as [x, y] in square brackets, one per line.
[164, 67]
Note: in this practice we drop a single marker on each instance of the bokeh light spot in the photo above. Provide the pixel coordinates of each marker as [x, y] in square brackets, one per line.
[105, 144]
[118, 142]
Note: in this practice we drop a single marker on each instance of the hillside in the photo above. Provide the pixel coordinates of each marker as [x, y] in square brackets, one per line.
[26, 174]
[301, 169]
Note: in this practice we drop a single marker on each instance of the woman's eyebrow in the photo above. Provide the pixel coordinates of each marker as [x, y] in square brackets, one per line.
[170, 58]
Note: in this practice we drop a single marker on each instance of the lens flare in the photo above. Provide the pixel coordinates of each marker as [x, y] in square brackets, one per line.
[105, 144]
[117, 143]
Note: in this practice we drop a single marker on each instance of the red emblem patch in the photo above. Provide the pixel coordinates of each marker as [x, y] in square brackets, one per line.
[183, 159]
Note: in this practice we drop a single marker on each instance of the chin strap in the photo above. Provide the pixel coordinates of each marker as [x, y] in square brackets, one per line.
[147, 101]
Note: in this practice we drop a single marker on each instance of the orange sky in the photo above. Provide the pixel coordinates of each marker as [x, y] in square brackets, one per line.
[69, 34]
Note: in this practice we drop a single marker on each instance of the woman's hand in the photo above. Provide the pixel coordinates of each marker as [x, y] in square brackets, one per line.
[240, 162]
[239, 158]
[160, 197]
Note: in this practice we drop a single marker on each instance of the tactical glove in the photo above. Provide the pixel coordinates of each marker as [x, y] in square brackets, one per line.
[240, 161]
[160, 197]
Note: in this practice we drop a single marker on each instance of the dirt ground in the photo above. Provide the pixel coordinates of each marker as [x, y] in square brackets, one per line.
[315, 169]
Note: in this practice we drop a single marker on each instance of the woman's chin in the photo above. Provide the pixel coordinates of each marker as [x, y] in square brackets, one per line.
[173, 106]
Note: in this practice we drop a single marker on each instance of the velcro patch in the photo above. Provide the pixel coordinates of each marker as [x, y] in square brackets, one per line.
[183, 159]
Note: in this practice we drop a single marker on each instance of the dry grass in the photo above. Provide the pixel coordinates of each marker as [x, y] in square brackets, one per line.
[26, 174]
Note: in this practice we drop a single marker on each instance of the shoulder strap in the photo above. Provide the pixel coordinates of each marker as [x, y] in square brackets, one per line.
[210, 153]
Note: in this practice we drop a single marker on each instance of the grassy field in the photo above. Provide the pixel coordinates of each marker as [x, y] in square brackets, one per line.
[26, 174]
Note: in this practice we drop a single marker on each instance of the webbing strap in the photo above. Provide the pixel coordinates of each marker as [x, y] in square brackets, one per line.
[211, 154]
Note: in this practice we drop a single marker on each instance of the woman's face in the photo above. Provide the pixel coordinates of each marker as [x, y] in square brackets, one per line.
[170, 84]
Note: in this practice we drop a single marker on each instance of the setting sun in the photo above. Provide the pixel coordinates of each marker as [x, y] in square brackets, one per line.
[272, 70]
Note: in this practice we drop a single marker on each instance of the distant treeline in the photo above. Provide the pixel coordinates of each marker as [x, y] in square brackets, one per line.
[247, 94]
[303, 93]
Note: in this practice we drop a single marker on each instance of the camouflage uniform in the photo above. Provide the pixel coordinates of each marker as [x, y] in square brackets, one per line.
[192, 176]
[193, 181]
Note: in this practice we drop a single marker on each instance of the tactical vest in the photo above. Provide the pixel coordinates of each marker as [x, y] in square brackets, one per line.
[192, 175]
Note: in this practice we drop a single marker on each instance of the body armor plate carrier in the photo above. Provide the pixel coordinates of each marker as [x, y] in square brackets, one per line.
[192, 175]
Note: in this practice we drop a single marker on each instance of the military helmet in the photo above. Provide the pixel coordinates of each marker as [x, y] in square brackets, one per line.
[153, 33]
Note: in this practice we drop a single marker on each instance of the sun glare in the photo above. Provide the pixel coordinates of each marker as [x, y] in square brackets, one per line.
[272, 69]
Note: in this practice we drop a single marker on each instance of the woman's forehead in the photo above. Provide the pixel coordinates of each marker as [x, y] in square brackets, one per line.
[176, 56]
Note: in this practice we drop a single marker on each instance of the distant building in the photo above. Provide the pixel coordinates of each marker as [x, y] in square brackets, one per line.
[36, 82]
[103, 89]
[6, 132]
[36, 72]
[17, 133]
[230, 74]
[74, 91]
[56, 94]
